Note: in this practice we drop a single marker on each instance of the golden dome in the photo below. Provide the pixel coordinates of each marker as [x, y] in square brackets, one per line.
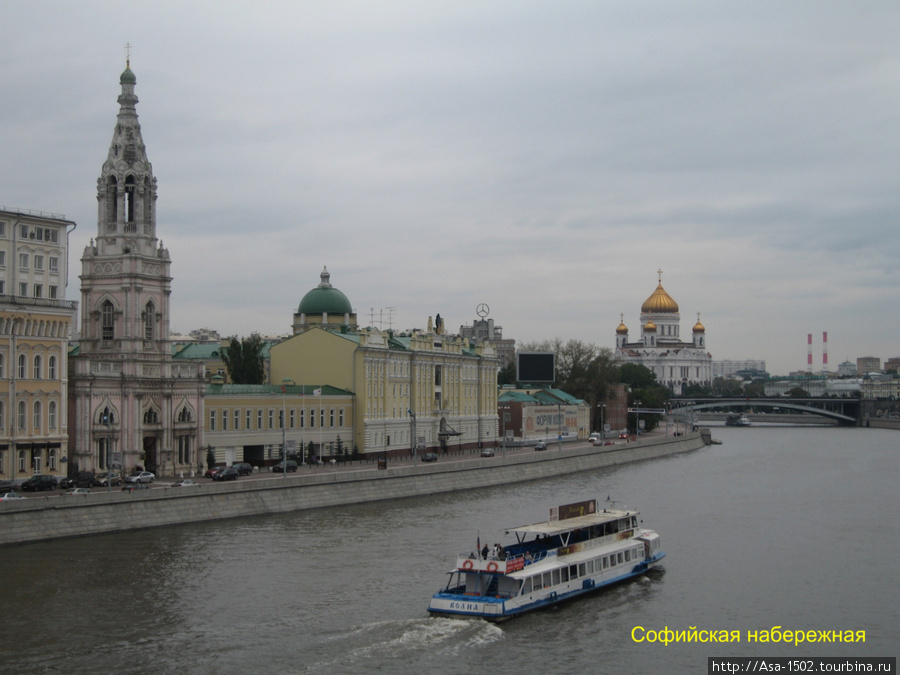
[649, 327]
[699, 327]
[622, 329]
[659, 303]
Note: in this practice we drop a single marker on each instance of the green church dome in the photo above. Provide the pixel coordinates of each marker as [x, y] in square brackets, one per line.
[325, 299]
[127, 76]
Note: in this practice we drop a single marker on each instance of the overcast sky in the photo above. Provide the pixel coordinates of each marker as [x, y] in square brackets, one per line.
[543, 158]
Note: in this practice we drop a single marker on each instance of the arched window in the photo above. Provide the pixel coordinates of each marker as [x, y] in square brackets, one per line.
[184, 449]
[21, 368]
[51, 414]
[20, 421]
[37, 367]
[184, 415]
[107, 319]
[151, 417]
[129, 199]
[51, 459]
[51, 368]
[36, 418]
[107, 417]
[22, 460]
[112, 193]
[149, 320]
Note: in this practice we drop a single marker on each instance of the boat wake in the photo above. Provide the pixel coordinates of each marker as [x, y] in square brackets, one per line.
[404, 641]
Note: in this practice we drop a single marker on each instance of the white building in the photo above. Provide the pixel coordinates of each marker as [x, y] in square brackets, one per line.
[676, 363]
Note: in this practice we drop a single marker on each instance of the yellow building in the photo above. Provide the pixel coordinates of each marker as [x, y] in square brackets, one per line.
[422, 389]
[251, 422]
[35, 324]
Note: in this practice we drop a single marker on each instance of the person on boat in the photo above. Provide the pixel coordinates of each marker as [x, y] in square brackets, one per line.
[528, 558]
[484, 552]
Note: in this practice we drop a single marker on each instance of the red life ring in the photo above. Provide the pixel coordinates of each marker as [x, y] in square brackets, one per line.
[468, 565]
[492, 566]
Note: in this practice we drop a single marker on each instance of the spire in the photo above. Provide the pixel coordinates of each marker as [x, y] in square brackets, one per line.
[126, 189]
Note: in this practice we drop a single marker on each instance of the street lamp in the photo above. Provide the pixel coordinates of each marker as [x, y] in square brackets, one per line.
[602, 407]
[505, 410]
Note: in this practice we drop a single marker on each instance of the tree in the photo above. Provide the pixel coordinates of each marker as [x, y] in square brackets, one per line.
[507, 374]
[244, 360]
[727, 387]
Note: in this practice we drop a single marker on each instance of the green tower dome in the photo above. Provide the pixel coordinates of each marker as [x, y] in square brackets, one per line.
[127, 77]
[325, 299]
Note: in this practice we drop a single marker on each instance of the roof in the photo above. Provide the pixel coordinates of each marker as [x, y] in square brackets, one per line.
[325, 299]
[549, 528]
[270, 389]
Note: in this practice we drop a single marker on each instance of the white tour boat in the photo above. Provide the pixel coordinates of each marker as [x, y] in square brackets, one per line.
[578, 550]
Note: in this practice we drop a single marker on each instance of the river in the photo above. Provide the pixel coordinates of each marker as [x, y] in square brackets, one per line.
[790, 527]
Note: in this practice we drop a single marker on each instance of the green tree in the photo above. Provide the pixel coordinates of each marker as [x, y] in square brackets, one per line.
[244, 361]
[507, 374]
[727, 387]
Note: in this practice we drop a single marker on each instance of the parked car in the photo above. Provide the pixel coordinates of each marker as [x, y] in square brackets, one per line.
[487, 452]
[186, 482]
[131, 487]
[113, 477]
[8, 486]
[540, 445]
[243, 468]
[79, 491]
[42, 482]
[211, 471]
[429, 457]
[141, 477]
[10, 497]
[228, 473]
[291, 466]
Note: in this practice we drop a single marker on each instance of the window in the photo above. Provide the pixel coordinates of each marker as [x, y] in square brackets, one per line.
[51, 415]
[291, 418]
[312, 418]
[331, 417]
[151, 417]
[341, 417]
[37, 367]
[1, 419]
[212, 420]
[54, 264]
[23, 231]
[2, 258]
[20, 421]
[259, 419]
[21, 372]
[2, 287]
[321, 417]
[247, 419]
[23, 288]
[149, 320]
[54, 293]
[237, 420]
[184, 415]
[2, 228]
[2, 462]
[23, 261]
[302, 417]
[103, 452]
[21, 461]
[107, 318]
[51, 459]
[1, 373]
[38, 263]
[38, 291]
[51, 368]
[224, 420]
[271, 419]
[184, 449]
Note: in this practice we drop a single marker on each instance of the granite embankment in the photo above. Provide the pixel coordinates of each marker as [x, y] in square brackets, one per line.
[54, 517]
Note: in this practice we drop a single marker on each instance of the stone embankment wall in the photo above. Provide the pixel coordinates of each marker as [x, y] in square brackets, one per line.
[72, 516]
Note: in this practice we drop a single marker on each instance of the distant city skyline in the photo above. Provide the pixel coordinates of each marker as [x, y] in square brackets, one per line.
[543, 159]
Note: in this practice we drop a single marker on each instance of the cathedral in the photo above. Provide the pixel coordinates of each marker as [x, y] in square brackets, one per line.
[675, 363]
[131, 404]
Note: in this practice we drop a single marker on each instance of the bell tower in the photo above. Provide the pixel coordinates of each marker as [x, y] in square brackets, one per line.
[134, 405]
[125, 279]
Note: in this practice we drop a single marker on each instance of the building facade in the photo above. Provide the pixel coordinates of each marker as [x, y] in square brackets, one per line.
[131, 403]
[676, 363]
[35, 325]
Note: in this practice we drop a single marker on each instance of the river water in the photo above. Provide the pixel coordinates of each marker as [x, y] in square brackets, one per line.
[791, 527]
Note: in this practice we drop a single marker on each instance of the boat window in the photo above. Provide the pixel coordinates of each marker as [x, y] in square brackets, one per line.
[555, 578]
[582, 569]
[537, 582]
[605, 562]
[565, 574]
[628, 555]
[590, 566]
[526, 586]
[620, 557]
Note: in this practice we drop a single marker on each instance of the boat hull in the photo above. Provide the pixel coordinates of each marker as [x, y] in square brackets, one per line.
[457, 605]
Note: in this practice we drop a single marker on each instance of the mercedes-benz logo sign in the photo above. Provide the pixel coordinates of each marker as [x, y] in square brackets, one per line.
[482, 310]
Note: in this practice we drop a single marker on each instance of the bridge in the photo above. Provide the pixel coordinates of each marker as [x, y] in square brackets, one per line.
[844, 411]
